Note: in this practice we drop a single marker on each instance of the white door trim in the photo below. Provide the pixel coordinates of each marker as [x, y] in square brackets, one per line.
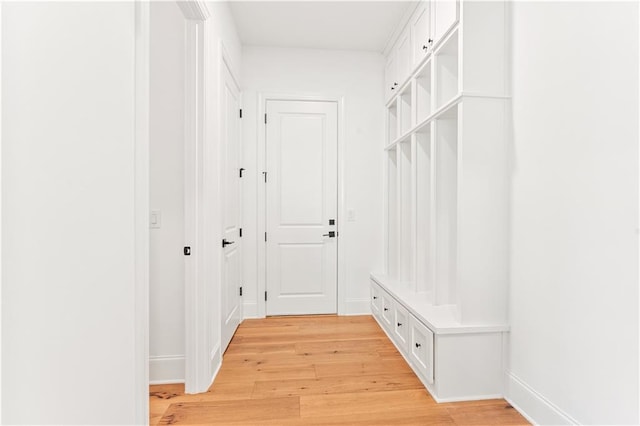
[1, 5]
[141, 212]
[261, 166]
[197, 315]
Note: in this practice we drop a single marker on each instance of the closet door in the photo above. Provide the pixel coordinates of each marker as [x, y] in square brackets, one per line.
[404, 56]
[421, 32]
[302, 193]
[390, 76]
[445, 14]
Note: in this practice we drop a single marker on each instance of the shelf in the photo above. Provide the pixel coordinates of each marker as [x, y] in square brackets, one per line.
[442, 111]
[403, 138]
[440, 319]
[446, 70]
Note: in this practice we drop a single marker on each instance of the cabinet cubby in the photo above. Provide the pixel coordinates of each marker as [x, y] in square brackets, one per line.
[446, 70]
[392, 121]
[392, 212]
[446, 194]
[424, 191]
[423, 93]
[405, 99]
[407, 249]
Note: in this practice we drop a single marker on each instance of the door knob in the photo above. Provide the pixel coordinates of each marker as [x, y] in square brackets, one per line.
[331, 234]
[226, 243]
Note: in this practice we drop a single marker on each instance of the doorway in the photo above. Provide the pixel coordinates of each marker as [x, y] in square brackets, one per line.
[301, 207]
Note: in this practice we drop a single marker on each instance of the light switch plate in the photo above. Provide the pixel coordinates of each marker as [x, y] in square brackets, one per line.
[351, 215]
[155, 219]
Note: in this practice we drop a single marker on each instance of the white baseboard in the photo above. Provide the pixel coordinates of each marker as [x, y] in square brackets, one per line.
[357, 307]
[166, 369]
[216, 363]
[250, 310]
[533, 406]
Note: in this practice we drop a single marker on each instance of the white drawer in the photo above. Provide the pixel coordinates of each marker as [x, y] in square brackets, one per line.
[376, 300]
[387, 310]
[421, 348]
[401, 326]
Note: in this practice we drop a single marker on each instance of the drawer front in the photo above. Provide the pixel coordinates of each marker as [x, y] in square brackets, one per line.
[401, 326]
[387, 310]
[421, 348]
[376, 300]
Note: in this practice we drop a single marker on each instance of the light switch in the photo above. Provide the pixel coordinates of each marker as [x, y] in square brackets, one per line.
[351, 215]
[154, 219]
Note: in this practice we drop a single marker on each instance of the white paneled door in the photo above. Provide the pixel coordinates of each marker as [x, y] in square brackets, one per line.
[301, 197]
[231, 305]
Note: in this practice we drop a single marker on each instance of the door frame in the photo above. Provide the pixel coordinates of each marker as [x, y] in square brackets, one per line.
[197, 315]
[141, 211]
[262, 200]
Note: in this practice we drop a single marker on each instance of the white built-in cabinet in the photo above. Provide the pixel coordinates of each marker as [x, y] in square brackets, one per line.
[442, 298]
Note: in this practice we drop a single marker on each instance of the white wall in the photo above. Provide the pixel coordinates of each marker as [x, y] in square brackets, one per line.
[68, 282]
[166, 186]
[358, 76]
[574, 295]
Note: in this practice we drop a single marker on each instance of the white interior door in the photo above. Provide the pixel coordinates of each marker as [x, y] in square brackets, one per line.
[231, 305]
[301, 197]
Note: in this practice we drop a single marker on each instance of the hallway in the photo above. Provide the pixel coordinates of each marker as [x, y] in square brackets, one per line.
[317, 370]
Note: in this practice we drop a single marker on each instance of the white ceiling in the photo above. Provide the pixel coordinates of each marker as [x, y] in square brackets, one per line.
[358, 25]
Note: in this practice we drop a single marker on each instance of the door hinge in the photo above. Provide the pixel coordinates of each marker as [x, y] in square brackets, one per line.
[241, 170]
[240, 290]
[240, 232]
[187, 251]
[240, 112]
[265, 119]
[265, 176]
[265, 237]
[265, 296]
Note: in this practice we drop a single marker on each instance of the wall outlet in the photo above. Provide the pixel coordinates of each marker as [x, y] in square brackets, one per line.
[155, 219]
[351, 215]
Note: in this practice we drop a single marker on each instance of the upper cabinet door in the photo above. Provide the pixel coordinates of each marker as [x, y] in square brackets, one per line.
[404, 56]
[421, 32]
[445, 14]
[390, 76]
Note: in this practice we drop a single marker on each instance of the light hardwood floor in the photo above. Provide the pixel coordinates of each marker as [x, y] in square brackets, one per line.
[317, 370]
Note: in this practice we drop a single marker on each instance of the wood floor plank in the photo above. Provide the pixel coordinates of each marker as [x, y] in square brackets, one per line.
[490, 412]
[351, 368]
[260, 348]
[230, 412]
[342, 346]
[274, 388]
[316, 370]
[347, 404]
[271, 373]
[303, 360]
